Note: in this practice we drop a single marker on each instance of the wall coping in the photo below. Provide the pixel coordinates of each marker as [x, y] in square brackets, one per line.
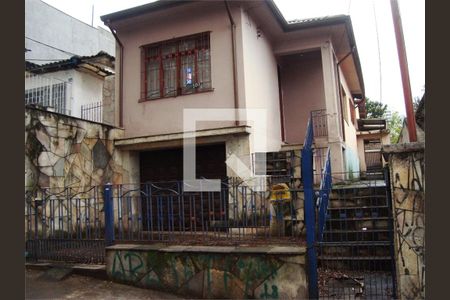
[42, 109]
[290, 250]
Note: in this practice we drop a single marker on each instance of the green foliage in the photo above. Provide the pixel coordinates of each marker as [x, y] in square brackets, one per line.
[375, 109]
[395, 124]
[416, 102]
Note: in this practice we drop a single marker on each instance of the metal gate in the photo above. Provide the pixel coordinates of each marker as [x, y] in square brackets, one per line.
[349, 233]
[355, 248]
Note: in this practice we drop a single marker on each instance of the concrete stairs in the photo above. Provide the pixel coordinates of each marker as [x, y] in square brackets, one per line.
[358, 229]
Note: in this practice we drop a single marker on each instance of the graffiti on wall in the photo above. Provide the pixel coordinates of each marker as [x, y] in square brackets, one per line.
[409, 200]
[202, 275]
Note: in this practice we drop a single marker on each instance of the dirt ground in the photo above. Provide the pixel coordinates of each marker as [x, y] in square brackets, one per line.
[74, 286]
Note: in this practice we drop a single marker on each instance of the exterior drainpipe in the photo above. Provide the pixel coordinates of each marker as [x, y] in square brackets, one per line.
[233, 45]
[121, 74]
[340, 94]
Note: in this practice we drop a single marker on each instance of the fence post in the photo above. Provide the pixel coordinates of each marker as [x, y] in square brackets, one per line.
[109, 214]
[387, 180]
[310, 212]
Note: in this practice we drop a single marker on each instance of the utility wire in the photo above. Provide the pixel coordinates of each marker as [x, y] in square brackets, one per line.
[72, 54]
[379, 52]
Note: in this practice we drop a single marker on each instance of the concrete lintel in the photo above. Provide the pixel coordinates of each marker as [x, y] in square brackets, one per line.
[405, 147]
[288, 147]
[178, 137]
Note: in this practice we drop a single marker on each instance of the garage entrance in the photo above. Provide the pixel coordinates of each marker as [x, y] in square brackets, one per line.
[167, 164]
[165, 198]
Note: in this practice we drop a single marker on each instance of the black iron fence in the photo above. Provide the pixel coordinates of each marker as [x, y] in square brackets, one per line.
[64, 224]
[74, 226]
[92, 112]
[238, 212]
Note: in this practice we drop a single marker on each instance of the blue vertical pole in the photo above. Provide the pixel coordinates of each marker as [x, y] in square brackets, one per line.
[109, 214]
[310, 221]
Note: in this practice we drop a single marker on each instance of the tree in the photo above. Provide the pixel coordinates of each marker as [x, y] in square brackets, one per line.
[395, 124]
[375, 109]
[416, 102]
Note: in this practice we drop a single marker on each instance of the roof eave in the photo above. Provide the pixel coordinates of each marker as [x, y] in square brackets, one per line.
[335, 20]
[142, 9]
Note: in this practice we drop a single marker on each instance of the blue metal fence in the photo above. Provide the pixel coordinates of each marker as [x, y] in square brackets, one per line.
[324, 195]
[310, 212]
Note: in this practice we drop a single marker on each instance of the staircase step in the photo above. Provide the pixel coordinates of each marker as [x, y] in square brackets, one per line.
[354, 243]
[359, 219]
[358, 197]
[328, 257]
[356, 231]
[358, 207]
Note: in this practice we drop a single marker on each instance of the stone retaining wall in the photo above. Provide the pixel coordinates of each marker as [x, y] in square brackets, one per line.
[212, 272]
[63, 151]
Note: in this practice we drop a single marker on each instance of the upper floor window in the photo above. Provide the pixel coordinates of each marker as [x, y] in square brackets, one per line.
[176, 67]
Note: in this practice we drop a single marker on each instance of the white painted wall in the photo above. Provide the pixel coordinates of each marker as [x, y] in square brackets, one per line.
[352, 163]
[51, 26]
[86, 89]
[261, 79]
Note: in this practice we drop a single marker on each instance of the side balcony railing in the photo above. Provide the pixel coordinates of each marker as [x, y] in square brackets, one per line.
[92, 111]
[319, 123]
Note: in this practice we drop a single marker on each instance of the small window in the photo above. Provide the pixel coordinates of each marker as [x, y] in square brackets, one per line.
[176, 67]
[48, 96]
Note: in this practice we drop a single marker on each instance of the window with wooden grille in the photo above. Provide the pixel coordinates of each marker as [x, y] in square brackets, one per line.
[176, 67]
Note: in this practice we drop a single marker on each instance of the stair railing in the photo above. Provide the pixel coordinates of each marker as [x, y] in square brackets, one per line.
[324, 195]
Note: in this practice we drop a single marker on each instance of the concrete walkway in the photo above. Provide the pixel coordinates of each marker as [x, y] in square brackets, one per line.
[42, 284]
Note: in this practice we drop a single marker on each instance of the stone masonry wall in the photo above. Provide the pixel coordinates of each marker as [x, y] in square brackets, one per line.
[212, 272]
[62, 151]
[108, 101]
[407, 173]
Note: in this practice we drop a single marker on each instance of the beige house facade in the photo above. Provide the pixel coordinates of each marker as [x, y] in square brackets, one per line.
[177, 55]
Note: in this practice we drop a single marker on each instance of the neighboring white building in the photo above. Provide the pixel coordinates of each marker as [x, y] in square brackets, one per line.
[69, 64]
[51, 35]
[73, 87]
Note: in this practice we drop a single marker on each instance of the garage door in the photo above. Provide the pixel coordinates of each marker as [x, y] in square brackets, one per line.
[167, 164]
[196, 210]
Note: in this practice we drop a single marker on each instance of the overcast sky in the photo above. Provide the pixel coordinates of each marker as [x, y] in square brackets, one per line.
[363, 14]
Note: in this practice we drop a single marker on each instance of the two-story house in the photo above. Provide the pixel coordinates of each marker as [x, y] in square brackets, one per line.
[177, 55]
